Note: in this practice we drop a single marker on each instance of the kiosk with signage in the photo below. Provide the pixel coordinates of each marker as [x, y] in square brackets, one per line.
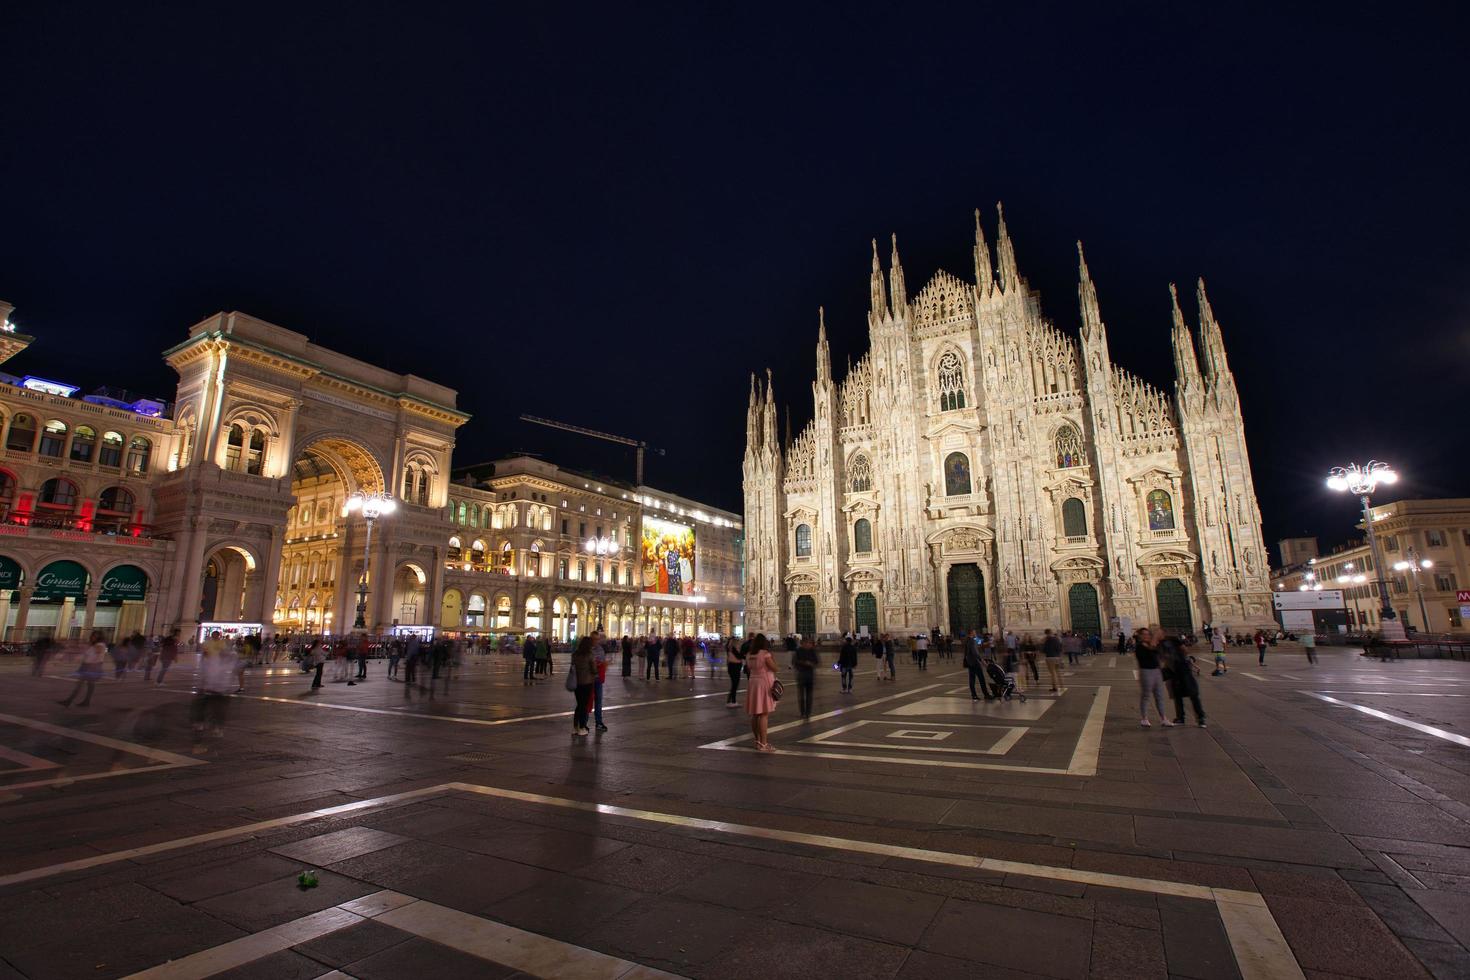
[120, 601]
[228, 631]
[60, 592]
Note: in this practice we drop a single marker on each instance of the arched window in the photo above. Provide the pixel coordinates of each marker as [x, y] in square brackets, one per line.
[116, 500]
[1074, 518]
[474, 616]
[862, 536]
[951, 371]
[533, 614]
[234, 447]
[1069, 447]
[454, 549]
[803, 540]
[861, 474]
[57, 492]
[53, 439]
[956, 475]
[112, 450]
[477, 552]
[7, 490]
[254, 457]
[22, 436]
[1160, 511]
[423, 494]
[502, 611]
[408, 483]
[83, 442]
[138, 454]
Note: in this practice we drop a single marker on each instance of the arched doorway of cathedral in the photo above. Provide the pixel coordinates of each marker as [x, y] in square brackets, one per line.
[231, 580]
[451, 610]
[1174, 612]
[315, 557]
[1083, 615]
[865, 613]
[806, 616]
[409, 605]
[966, 587]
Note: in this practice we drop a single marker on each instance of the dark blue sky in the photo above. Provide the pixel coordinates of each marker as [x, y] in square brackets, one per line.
[611, 217]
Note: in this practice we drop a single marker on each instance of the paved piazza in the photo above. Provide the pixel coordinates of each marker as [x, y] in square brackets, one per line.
[1320, 827]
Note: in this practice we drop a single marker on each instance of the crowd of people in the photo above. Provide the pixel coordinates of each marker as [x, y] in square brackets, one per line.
[1000, 665]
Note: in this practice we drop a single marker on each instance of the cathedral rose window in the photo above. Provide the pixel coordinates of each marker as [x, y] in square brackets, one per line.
[862, 474]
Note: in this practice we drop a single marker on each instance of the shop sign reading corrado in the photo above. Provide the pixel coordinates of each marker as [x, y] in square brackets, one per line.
[61, 580]
[9, 574]
[125, 583]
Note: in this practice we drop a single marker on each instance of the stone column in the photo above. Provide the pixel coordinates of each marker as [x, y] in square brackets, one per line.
[269, 580]
[380, 580]
[90, 616]
[192, 584]
[23, 611]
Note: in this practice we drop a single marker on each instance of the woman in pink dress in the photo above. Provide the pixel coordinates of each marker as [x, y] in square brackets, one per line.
[758, 701]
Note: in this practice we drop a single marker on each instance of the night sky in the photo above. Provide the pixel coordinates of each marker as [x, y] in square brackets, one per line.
[612, 216]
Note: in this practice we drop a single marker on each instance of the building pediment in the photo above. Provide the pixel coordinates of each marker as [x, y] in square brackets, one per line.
[963, 539]
[861, 504]
[1154, 473]
[801, 512]
[1074, 484]
[942, 424]
[863, 573]
[1090, 563]
[1166, 556]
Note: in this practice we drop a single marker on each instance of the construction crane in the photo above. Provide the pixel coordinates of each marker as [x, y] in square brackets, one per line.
[640, 447]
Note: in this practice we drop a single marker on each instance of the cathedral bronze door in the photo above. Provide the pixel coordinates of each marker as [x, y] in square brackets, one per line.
[865, 613]
[966, 599]
[806, 616]
[1174, 612]
[1082, 601]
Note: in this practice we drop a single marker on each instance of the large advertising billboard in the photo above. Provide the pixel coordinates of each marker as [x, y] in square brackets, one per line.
[667, 557]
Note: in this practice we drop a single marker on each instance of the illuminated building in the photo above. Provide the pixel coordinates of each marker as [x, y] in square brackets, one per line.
[980, 468]
[119, 515]
[539, 548]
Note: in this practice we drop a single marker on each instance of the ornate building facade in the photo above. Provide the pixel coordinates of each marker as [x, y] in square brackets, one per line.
[225, 509]
[978, 467]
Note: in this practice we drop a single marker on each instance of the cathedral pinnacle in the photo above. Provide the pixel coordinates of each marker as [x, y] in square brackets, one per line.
[1186, 368]
[878, 306]
[1212, 343]
[898, 297]
[1006, 253]
[824, 355]
[1087, 297]
[984, 272]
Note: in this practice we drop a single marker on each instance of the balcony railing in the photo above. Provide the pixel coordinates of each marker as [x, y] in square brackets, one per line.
[40, 521]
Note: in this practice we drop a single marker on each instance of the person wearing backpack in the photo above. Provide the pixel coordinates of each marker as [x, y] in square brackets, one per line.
[975, 665]
[804, 662]
[847, 662]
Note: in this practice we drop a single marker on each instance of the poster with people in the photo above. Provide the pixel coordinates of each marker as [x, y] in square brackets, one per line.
[667, 557]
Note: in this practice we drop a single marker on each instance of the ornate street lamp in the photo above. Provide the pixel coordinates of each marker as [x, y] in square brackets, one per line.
[1362, 481]
[1413, 564]
[601, 546]
[372, 506]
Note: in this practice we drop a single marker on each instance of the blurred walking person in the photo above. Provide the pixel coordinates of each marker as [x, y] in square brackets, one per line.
[804, 662]
[89, 671]
[213, 682]
[581, 677]
[847, 662]
[1150, 678]
[1178, 669]
[168, 652]
[735, 663]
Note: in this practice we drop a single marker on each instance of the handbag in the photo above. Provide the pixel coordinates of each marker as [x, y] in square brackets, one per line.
[777, 689]
[572, 678]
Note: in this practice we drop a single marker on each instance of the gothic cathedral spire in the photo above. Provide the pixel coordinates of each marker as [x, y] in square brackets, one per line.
[1217, 374]
[824, 352]
[1010, 278]
[878, 306]
[1186, 368]
[898, 297]
[984, 272]
[1092, 324]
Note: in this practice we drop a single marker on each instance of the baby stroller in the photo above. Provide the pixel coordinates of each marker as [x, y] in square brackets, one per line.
[1003, 683]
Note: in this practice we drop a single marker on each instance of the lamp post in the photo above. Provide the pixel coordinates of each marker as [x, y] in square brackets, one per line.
[1413, 564]
[372, 506]
[602, 547]
[1361, 481]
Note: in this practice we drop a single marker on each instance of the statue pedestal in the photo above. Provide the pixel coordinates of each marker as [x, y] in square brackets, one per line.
[1392, 631]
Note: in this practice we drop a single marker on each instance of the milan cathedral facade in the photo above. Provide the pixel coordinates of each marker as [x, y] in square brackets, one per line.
[979, 468]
